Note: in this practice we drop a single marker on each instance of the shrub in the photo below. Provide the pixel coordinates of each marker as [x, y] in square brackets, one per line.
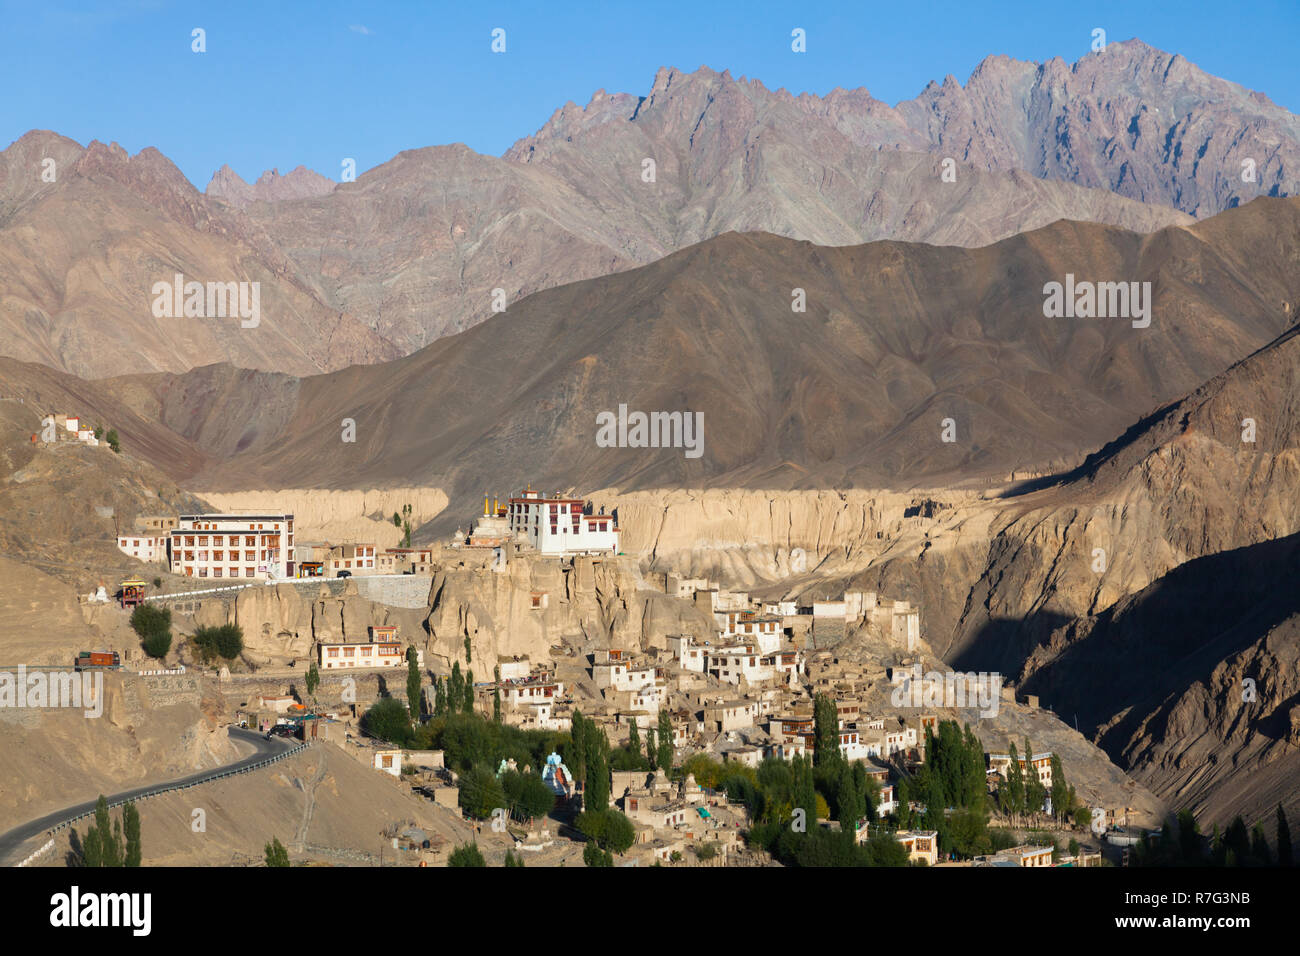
[388, 720]
[276, 854]
[528, 794]
[154, 626]
[480, 793]
[467, 854]
[619, 833]
[157, 645]
[593, 855]
[225, 641]
[608, 829]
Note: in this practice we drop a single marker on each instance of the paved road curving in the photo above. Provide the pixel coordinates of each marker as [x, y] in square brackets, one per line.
[12, 841]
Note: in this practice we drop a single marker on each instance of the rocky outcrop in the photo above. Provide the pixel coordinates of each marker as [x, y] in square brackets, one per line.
[282, 622]
[583, 602]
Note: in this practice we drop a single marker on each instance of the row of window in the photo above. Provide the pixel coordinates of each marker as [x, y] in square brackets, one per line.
[217, 572]
[212, 526]
[221, 556]
[249, 540]
[368, 650]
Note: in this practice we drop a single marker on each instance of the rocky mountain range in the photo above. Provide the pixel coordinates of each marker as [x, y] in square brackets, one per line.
[299, 183]
[846, 393]
[431, 242]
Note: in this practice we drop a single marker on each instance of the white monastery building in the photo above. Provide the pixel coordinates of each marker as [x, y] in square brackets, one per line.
[233, 546]
[559, 526]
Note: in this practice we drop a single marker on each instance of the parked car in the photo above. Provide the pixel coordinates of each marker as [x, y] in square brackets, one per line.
[345, 574]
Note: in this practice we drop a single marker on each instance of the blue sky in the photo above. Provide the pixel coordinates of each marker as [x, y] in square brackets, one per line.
[312, 83]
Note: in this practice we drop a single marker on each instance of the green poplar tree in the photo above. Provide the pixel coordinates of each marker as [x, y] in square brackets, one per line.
[496, 696]
[851, 805]
[665, 742]
[131, 831]
[455, 689]
[276, 854]
[412, 683]
[1015, 785]
[826, 732]
[634, 739]
[596, 794]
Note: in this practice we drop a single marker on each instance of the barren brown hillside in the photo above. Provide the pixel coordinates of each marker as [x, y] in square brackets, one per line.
[853, 392]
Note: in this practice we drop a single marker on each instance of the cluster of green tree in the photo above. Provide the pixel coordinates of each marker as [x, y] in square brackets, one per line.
[474, 747]
[786, 800]
[313, 678]
[468, 854]
[154, 627]
[1021, 796]
[224, 641]
[951, 784]
[114, 442]
[111, 843]
[657, 751]
[467, 739]
[588, 756]
[1181, 843]
[276, 854]
[455, 695]
[524, 796]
